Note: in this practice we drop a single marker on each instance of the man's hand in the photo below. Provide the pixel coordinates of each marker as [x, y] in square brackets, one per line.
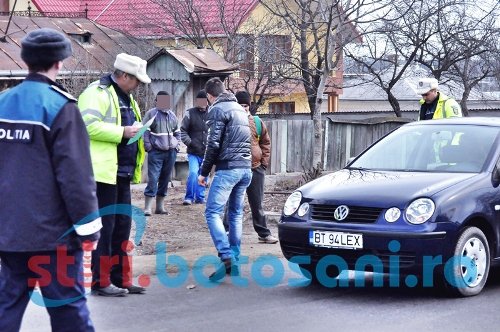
[202, 181]
[130, 131]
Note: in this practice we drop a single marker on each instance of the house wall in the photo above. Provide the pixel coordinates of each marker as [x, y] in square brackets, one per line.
[4, 5]
[21, 5]
[300, 100]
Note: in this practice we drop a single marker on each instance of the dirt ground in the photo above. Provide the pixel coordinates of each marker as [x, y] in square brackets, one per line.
[185, 230]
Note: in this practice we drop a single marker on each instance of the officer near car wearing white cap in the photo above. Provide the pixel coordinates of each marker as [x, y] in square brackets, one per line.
[111, 115]
[47, 189]
[435, 104]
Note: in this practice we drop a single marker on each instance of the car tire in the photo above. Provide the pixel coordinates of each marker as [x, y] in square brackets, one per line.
[468, 278]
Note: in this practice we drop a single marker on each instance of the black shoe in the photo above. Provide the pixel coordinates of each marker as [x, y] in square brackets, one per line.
[111, 291]
[134, 289]
[225, 268]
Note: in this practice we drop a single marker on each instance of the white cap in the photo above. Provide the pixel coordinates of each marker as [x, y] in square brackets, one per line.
[132, 65]
[426, 84]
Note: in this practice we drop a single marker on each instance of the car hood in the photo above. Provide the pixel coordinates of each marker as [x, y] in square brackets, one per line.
[378, 188]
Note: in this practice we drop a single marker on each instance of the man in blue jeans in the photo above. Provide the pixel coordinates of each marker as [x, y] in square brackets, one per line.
[161, 141]
[194, 134]
[229, 149]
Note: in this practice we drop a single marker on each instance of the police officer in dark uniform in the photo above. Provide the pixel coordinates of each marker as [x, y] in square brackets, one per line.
[47, 189]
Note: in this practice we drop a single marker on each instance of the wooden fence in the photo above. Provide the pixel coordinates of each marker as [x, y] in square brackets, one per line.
[292, 141]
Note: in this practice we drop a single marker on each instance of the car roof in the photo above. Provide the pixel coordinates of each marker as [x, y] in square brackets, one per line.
[480, 121]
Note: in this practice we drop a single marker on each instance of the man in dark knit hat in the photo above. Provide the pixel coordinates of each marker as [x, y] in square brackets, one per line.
[194, 134]
[261, 152]
[49, 206]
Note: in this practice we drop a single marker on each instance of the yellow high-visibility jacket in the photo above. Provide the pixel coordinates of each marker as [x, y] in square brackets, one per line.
[101, 113]
[451, 108]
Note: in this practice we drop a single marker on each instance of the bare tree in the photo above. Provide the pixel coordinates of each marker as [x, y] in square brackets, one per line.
[466, 50]
[320, 29]
[225, 27]
[392, 44]
[446, 37]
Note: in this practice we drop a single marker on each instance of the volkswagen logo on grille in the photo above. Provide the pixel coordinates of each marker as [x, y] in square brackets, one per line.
[341, 212]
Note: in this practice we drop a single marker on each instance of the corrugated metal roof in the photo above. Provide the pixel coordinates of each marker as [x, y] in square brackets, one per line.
[145, 18]
[356, 88]
[199, 61]
[98, 55]
[376, 106]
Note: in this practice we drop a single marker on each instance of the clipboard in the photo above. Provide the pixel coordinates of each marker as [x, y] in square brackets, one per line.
[141, 131]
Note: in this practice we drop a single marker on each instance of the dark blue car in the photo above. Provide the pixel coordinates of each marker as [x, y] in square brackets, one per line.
[422, 203]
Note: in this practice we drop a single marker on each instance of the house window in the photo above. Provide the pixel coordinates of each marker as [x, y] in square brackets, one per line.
[274, 52]
[282, 108]
[241, 51]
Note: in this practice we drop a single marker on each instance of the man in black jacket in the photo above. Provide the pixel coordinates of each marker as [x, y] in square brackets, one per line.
[44, 165]
[194, 134]
[228, 148]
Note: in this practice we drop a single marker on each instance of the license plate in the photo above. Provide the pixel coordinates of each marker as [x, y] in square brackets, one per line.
[336, 240]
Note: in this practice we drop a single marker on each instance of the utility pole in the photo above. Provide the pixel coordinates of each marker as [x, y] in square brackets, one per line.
[4, 38]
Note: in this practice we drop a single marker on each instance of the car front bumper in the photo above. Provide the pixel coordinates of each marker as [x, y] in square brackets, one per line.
[413, 247]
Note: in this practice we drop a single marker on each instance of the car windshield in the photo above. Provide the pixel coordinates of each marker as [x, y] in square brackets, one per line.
[431, 148]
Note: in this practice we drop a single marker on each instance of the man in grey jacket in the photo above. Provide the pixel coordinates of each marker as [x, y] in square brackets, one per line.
[161, 141]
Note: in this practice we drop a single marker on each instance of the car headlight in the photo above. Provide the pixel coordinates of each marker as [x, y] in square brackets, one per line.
[420, 210]
[392, 214]
[292, 203]
[303, 209]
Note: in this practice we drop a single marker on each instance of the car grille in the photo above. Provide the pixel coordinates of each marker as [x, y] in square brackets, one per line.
[406, 259]
[325, 212]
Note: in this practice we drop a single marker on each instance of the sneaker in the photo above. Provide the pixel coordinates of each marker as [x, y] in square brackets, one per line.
[111, 291]
[187, 202]
[134, 289]
[268, 239]
[201, 201]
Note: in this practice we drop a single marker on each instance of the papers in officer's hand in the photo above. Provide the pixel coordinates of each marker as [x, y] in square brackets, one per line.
[141, 131]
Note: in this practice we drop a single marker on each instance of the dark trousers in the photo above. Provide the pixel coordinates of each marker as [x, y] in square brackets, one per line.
[15, 290]
[160, 166]
[110, 261]
[255, 194]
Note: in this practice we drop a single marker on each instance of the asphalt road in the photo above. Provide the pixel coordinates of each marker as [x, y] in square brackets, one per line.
[257, 307]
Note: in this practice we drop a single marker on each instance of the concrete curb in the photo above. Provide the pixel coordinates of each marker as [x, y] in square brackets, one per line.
[147, 264]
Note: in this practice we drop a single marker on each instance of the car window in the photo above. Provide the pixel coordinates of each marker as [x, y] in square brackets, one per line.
[431, 148]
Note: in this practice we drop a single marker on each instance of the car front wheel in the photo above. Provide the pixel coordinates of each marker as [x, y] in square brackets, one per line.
[466, 273]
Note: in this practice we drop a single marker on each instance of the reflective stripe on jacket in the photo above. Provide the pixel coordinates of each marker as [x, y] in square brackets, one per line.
[451, 108]
[101, 112]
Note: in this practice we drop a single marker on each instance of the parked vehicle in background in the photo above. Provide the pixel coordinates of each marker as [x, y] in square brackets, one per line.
[423, 202]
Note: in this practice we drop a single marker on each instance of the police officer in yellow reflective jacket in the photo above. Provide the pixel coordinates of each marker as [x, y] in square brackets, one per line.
[435, 104]
[112, 117]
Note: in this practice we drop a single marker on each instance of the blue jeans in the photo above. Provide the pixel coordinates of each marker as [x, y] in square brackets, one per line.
[194, 192]
[160, 166]
[228, 186]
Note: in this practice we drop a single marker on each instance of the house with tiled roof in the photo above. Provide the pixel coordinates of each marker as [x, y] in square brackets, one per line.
[147, 19]
[94, 49]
